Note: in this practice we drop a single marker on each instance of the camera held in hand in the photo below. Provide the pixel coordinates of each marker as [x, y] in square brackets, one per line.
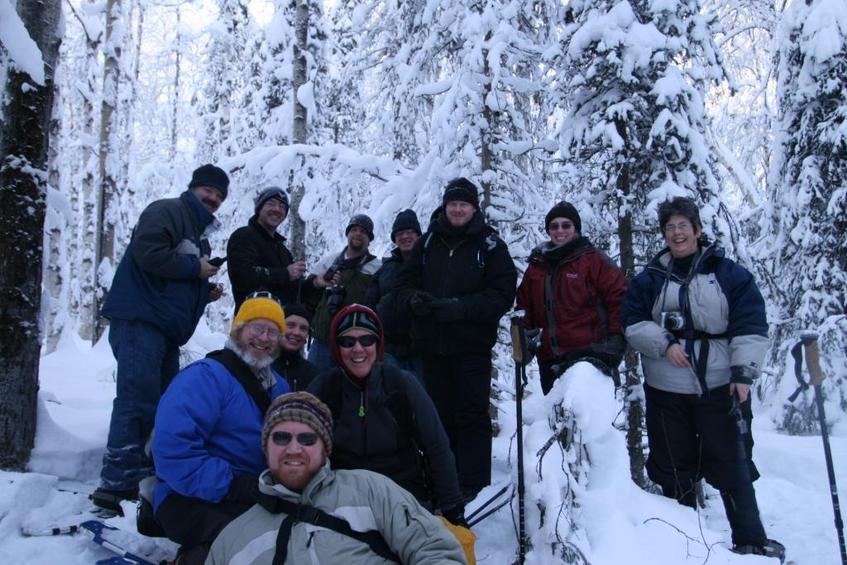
[672, 321]
[334, 299]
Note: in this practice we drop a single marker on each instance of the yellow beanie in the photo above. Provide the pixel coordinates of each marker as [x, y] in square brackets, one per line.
[255, 308]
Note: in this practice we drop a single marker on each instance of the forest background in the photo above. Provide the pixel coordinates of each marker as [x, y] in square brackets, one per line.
[372, 105]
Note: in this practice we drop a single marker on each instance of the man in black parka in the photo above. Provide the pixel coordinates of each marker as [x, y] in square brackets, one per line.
[257, 255]
[459, 281]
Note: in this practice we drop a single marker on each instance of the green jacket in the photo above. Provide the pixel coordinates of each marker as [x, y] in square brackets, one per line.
[368, 501]
[354, 282]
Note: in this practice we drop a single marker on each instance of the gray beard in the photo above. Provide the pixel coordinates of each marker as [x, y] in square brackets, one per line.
[249, 358]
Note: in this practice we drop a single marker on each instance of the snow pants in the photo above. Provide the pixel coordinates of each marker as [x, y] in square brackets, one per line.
[460, 388]
[693, 437]
[147, 362]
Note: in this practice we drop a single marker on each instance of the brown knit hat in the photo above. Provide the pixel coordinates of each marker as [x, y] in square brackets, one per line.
[299, 407]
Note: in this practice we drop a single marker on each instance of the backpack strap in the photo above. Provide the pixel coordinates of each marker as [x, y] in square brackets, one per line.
[317, 517]
[245, 377]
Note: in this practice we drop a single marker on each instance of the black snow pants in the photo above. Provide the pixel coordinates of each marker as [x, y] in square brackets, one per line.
[460, 388]
[693, 437]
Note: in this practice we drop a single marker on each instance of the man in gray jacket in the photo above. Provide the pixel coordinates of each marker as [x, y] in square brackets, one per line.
[308, 513]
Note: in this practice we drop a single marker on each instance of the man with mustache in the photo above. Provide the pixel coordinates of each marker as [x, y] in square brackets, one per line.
[206, 447]
[308, 513]
[343, 279]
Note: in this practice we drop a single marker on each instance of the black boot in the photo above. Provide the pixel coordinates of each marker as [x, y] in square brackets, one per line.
[769, 548]
[742, 512]
[110, 500]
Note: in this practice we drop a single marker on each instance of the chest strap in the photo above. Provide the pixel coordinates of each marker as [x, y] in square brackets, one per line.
[311, 515]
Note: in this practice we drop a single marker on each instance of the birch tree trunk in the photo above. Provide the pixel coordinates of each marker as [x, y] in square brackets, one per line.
[108, 165]
[23, 163]
[299, 133]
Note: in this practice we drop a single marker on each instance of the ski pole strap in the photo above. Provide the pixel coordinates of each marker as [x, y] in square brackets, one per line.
[317, 517]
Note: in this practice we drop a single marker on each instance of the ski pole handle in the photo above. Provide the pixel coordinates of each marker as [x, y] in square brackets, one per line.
[813, 361]
[518, 347]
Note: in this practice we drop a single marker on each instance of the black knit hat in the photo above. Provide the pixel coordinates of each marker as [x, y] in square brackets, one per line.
[211, 176]
[267, 194]
[364, 222]
[297, 309]
[563, 209]
[405, 220]
[463, 190]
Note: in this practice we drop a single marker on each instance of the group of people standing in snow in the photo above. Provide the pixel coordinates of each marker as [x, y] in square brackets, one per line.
[396, 387]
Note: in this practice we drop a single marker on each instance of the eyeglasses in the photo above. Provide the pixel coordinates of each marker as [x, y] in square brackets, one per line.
[682, 227]
[304, 438]
[263, 294]
[348, 341]
[560, 225]
[258, 330]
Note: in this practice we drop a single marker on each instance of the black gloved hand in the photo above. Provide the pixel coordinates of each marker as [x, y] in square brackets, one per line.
[448, 309]
[456, 515]
[616, 345]
[243, 488]
[421, 304]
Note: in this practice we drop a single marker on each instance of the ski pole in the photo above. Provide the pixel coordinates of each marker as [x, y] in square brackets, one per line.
[809, 343]
[519, 355]
[482, 506]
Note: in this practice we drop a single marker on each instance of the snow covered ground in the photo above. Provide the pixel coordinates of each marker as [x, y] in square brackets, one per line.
[614, 521]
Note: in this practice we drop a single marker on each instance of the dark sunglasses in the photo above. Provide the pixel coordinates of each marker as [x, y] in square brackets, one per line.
[561, 225]
[348, 341]
[284, 438]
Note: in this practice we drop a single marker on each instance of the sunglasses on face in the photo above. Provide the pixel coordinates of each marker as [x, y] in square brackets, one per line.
[348, 341]
[284, 438]
[560, 225]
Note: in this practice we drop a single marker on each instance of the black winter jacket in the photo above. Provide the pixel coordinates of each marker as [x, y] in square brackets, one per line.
[298, 371]
[471, 264]
[395, 316]
[390, 427]
[259, 261]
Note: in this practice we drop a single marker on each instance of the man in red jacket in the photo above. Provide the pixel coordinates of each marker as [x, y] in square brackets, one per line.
[573, 291]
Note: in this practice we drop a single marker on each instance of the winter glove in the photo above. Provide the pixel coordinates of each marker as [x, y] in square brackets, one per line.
[421, 304]
[448, 309]
[243, 488]
[456, 515]
[742, 374]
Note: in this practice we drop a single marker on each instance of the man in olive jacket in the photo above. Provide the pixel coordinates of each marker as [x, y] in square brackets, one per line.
[459, 281]
[302, 502]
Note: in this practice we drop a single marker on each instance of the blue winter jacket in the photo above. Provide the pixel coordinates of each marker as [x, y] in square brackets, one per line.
[208, 429]
[157, 279]
[718, 298]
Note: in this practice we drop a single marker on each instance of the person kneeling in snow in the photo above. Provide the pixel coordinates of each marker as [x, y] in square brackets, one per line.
[308, 513]
[384, 420]
[208, 427]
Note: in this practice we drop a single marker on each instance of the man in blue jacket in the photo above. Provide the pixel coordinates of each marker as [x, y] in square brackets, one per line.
[207, 444]
[158, 294]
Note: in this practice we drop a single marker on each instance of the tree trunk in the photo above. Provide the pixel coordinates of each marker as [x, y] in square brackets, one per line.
[299, 131]
[108, 167]
[633, 402]
[23, 172]
[175, 108]
[55, 225]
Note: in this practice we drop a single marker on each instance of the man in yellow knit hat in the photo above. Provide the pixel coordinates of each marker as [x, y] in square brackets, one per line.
[207, 445]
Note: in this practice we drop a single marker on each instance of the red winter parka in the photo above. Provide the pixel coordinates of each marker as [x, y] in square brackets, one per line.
[574, 293]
